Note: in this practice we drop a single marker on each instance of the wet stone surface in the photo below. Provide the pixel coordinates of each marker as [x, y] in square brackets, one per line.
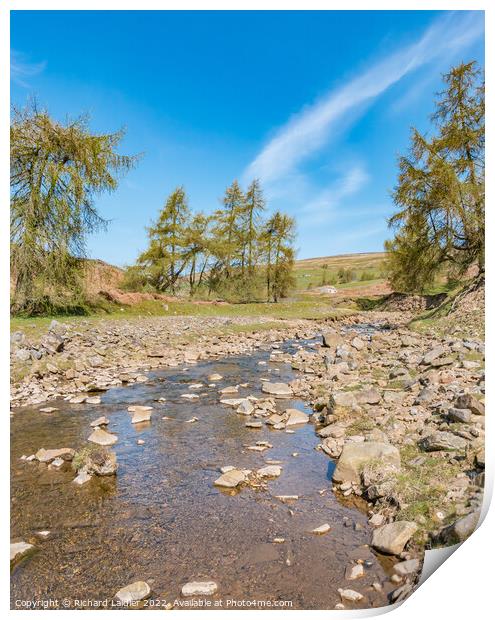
[161, 519]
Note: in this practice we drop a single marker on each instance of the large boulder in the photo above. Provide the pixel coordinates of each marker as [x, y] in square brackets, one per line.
[368, 396]
[468, 401]
[331, 338]
[393, 537]
[339, 401]
[295, 417]
[356, 455]
[432, 355]
[442, 440]
[460, 529]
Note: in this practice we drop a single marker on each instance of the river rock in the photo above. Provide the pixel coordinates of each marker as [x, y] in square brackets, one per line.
[331, 339]
[408, 567]
[356, 455]
[215, 377]
[246, 407]
[134, 592]
[141, 416]
[20, 550]
[460, 415]
[461, 529]
[354, 572]
[393, 537]
[256, 424]
[23, 355]
[47, 456]
[101, 462]
[102, 421]
[82, 477]
[102, 438]
[358, 344]
[275, 419]
[270, 471]
[342, 400]
[350, 595]
[230, 479]
[135, 408]
[279, 390]
[332, 430]
[77, 400]
[199, 588]
[468, 401]
[442, 440]
[295, 417]
[377, 519]
[432, 355]
[368, 397]
[322, 529]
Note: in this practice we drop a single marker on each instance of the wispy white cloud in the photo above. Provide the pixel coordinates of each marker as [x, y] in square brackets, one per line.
[323, 203]
[21, 69]
[308, 131]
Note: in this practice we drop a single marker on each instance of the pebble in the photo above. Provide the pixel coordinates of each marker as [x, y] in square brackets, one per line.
[134, 592]
[199, 588]
[350, 595]
[322, 529]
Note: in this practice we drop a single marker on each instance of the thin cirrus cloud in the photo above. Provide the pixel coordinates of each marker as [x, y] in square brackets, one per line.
[21, 70]
[319, 207]
[308, 131]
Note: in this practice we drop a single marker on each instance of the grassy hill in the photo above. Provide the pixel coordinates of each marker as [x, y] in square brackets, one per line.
[343, 270]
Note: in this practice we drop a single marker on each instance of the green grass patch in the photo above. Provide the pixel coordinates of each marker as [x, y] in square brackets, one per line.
[421, 490]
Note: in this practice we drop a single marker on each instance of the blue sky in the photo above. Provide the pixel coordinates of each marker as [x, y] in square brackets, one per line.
[316, 104]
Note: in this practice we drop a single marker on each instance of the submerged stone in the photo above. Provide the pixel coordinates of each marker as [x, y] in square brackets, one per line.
[230, 479]
[133, 593]
[199, 588]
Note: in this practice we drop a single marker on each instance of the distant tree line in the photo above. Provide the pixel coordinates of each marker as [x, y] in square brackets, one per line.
[234, 253]
[440, 194]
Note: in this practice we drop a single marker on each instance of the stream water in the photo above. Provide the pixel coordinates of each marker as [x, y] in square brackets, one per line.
[161, 519]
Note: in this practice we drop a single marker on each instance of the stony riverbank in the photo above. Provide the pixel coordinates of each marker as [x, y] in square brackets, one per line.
[71, 360]
[403, 414]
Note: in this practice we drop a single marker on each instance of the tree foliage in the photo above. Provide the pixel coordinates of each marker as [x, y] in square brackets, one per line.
[440, 192]
[232, 253]
[56, 172]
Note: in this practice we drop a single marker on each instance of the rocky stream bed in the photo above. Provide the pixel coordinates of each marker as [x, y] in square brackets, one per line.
[310, 464]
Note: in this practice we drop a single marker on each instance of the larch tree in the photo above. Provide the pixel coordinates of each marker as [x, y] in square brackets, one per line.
[440, 192]
[200, 246]
[56, 172]
[227, 229]
[253, 211]
[280, 255]
[168, 253]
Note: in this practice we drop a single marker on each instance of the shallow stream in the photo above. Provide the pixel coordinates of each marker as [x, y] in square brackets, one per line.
[161, 519]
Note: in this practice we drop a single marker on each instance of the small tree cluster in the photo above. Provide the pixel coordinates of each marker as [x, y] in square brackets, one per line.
[234, 253]
[440, 224]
